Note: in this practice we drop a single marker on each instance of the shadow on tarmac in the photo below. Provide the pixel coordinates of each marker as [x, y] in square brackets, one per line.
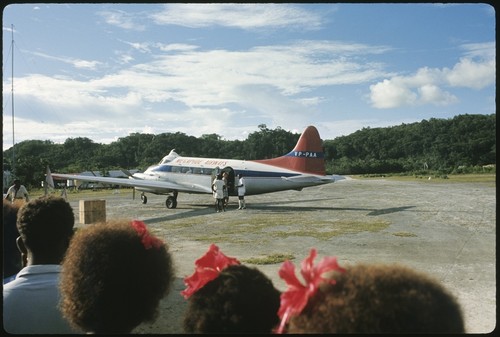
[275, 207]
[390, 210]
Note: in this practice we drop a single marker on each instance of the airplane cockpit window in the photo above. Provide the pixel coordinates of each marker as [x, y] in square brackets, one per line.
[163, 168]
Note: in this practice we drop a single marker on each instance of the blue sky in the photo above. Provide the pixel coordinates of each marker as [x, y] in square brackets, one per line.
[104, 71]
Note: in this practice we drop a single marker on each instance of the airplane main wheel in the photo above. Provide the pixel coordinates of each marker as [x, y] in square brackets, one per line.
[171, 202]
[144, 199]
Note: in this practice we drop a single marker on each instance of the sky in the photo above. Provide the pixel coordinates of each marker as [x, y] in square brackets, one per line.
[104, 71]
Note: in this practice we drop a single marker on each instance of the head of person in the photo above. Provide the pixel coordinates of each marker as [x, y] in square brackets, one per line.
[379, 299]
[17, 182]
[240, 175]
[10, 211]
[114, 276]
[225, 296]
[12, 259]
[45, 227]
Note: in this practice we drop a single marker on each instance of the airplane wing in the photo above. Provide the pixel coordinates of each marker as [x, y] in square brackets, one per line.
[161, 186]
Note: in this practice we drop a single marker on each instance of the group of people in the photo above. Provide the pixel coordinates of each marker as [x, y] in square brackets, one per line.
[226, 296]
[110, 277]
[103, 278]
[220, 189]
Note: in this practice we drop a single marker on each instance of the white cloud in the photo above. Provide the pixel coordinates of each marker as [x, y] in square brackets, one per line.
[433, 94]
[476, 70]
[486, 50]
[142, 47]
[121, 19]
[391, 94]
[124, 58]
[470, 74]
[176, 47]
[244, 16]
[77, 63]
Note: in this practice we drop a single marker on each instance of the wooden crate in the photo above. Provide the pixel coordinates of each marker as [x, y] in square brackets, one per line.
[92, 211]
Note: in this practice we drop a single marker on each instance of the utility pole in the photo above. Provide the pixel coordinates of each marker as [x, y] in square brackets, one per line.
[13, 165]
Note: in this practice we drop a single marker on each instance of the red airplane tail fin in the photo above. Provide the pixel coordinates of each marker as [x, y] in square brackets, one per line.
[307, 156]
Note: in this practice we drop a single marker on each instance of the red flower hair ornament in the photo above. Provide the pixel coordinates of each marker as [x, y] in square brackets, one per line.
[147, 239]
[295, 298]
[207, 268]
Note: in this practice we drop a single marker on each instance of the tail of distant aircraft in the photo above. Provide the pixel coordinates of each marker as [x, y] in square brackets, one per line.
[306, 157]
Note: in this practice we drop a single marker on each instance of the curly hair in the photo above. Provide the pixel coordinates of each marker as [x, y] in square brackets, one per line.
[11, 256]
[111, 281]
[9, 211]
[240, 300]
[44, 224]
[380, 299]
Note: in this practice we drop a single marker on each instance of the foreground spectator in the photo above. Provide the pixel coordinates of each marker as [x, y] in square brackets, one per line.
[30, 301]
[227, 297]
[377, 299]
[11, 255]
[114, 276]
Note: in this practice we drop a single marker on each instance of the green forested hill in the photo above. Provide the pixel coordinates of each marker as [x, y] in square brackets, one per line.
[460, 144]
[445, 145]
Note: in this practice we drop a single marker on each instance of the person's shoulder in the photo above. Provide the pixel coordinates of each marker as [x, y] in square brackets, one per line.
[8, 285]
[45, 270]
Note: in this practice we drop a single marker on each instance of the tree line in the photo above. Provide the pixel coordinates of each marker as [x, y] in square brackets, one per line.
[462, 144]
[456, 145]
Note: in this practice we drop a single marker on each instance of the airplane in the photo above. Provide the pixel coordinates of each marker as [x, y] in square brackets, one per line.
[302, 167]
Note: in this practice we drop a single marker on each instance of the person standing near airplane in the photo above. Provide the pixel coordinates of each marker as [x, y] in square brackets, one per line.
[218, 188]
[225, 178]
[241, 192]
[17, 192]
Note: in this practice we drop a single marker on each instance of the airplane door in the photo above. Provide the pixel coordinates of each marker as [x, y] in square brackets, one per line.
[230, 181]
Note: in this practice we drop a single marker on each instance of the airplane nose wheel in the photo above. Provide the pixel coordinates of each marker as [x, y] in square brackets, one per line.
[144, 199]
[171, 202]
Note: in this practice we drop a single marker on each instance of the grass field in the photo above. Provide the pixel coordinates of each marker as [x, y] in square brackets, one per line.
[452, 178]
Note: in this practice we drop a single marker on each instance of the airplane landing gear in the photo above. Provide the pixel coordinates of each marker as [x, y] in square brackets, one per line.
[172, 201]
[144, 199]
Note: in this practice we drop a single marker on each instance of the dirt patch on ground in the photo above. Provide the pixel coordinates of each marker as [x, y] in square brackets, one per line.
[446, 230]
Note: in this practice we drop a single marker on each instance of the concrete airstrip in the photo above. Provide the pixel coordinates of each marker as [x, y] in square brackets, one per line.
[444, 228]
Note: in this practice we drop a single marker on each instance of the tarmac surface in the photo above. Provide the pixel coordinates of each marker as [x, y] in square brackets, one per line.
[445, 229]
